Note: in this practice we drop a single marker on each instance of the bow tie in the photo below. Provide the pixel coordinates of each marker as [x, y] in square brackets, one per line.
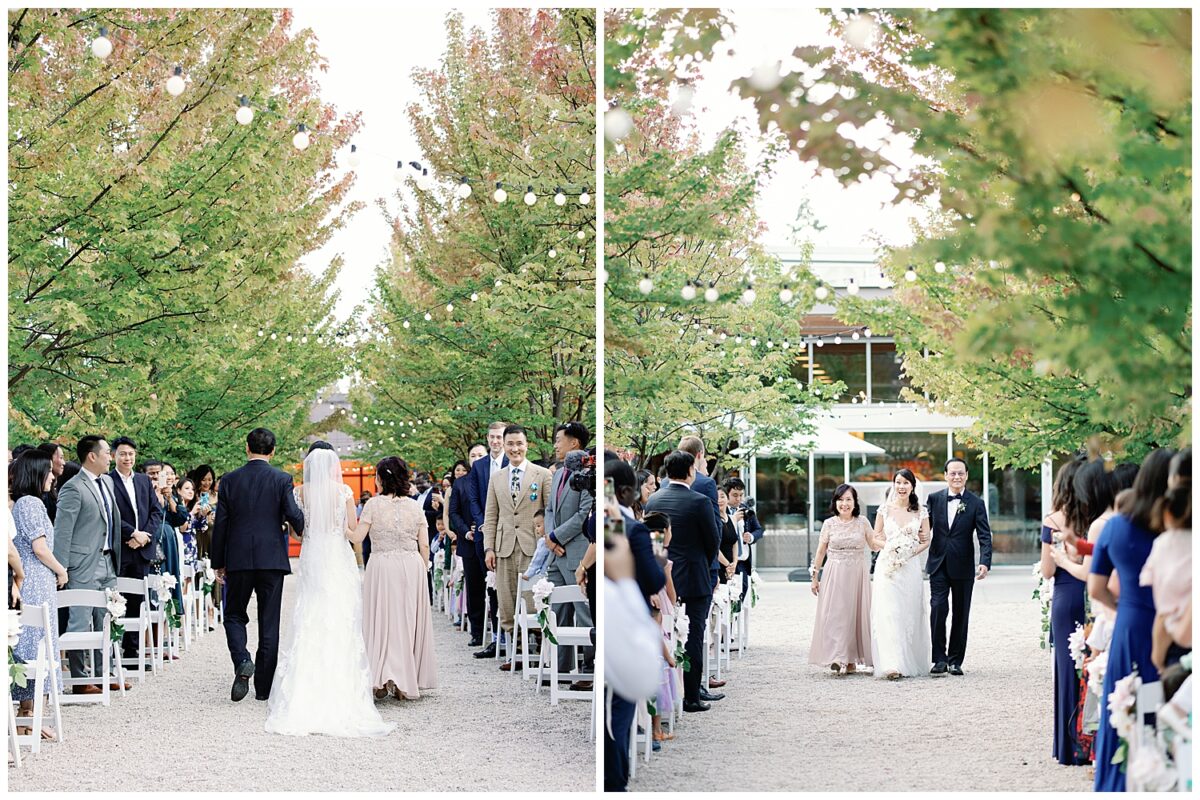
[953, 497]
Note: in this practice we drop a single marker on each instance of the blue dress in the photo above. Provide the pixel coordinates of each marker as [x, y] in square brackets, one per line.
[1066, 611]
[40, 586]
[1124, 547]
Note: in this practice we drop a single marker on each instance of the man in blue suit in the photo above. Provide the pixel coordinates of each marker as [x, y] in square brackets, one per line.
[695, 541]
[749, 529]
[480, 476]
[141, 520]
[693, 446]
[463, 524]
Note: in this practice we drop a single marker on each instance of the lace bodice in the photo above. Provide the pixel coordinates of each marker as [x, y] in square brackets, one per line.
[845, 539]
[397, 524]
[339, 512]
[893, 530]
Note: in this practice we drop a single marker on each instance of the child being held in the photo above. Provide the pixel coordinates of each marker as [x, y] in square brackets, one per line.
[538, 564]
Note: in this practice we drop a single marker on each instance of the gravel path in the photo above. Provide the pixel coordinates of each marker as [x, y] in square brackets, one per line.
[787, 725]
[480, 730]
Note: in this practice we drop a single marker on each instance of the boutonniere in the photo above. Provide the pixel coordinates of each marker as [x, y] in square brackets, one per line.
[533, 490]
[962, 506]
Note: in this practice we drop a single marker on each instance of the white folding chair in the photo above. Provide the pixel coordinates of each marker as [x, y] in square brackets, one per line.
[565, 636]
[38, 672]
[88, 641]
[525, 620]
[139, 625]
[641, 720]
[14, 748]
[162, 633]
[187, 589]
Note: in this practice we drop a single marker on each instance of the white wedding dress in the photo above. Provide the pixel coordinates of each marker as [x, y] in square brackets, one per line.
[323, 684]
[900, 640]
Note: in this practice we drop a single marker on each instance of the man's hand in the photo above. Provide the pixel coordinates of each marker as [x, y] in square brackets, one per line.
[555, 547]
[221, 575]
[739, 515]
[62, 579]
[470, 536]
[747, 538]
[923, 536]
[981, 573]
[489, 560]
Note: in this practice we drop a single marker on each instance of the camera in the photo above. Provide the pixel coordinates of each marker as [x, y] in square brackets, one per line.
[583, 476]
[747, 506]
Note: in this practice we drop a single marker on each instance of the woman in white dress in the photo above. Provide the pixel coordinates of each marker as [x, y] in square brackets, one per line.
[900, 644]
[323, 684]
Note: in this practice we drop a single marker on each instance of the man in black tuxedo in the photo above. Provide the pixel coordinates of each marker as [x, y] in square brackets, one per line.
[463, 525]
[695, 539]
[250, 554]
[482, 472]
[956, 516]
[141, 520]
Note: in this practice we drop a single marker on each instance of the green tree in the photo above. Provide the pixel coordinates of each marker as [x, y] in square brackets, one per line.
[1054, 146]
[512, 106]
[152, 236]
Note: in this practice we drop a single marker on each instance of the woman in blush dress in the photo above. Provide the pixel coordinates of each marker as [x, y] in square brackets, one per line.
[842, 631]
[397, 619]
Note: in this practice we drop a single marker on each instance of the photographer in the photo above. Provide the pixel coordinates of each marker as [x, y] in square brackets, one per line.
[568, 507]
[749, 529]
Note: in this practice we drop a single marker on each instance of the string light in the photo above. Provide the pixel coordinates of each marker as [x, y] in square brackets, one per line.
[464, 188]
[530, 197]
[244, 114]
[645, 285]
[711, 295]
[474, 296]
[852, 287]
[910, 274]
[175, 84]
[786, 295]
[300, 140]
[560, 199]
[425, 182]
[355, 158]
[939, 267]
[854, 336]
[585, 198]
[689, 291]
[749, 296]
[822, 292]
[552, 252]
[398, 174]
[102, 46]
[499, 195]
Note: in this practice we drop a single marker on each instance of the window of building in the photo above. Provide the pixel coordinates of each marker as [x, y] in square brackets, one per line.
[1015, 511]
[886, 377]
[923, 452]
[845, 362]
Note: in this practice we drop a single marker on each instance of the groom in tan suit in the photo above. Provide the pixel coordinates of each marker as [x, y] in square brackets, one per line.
[514, 495]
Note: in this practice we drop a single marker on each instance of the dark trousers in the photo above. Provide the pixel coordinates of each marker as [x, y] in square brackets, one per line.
[267, 587]
[697, 612]
[133, 604]
[366, 551]
[473, 582]
[949, 596]
[616, 746]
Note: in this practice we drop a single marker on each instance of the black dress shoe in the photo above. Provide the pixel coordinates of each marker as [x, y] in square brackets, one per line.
[241, 680]
[476, 641]
[709, 697]
[955, 669]
[699, 705]
[487, 652]
[938, 669]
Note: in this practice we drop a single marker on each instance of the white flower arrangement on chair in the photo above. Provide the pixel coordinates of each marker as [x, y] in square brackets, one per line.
[16, 670]
[1122, 710]
[166, 597]
[116, 609]
[541, 603]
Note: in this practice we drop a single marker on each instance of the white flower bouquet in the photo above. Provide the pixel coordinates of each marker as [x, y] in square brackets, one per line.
[1096, 669]
[541, 602]
[116, 609]
[1150, 770]
[490, 580]
[1121, 704]
[14, 627]
[16, 669]
[682, 624]
[896, 551]
[1077, 645]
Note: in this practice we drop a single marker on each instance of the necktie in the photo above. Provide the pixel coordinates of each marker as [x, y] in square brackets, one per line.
[516, 484]
[107, 514]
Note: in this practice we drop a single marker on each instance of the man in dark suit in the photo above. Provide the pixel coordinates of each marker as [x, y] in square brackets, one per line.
[141, 520]
[250, 554]
[956, 517]
[463, 525]
[481, 475]
[694, 446]
[750, 530]
[695, 540]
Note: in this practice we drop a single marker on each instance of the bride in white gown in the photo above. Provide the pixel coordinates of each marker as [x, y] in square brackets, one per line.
[900, 644]
[323, 684]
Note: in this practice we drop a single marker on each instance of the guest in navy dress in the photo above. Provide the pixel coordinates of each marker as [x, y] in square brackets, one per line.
[1124, 545]
[1066, 611]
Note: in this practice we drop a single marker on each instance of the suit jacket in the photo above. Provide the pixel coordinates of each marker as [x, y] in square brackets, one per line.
[80, 527]
[477, 493]
[695, 537]
[460, 509]
[149, 517]
[708, 487]
[755, 529]
[248, 534]
[507, 525]
[952, 544]
[432, 515]
[567, 512]
[649, 575]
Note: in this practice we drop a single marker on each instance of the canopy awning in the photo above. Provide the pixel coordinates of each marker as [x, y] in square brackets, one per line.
[824, 441]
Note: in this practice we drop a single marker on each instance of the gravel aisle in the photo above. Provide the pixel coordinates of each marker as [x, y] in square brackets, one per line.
[786, 725]
[480, 730]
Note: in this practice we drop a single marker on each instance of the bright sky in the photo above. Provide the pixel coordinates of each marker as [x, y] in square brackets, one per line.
[371, 55]
[849, 214]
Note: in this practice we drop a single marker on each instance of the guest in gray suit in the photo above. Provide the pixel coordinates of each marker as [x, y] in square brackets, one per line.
[567, 511]
[87, 539]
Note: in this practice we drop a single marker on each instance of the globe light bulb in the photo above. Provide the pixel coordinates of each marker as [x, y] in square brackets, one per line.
[854, 336]
[711, 294]
[274, 337]
[449, 308]
[407, 324]
[820, 342]
[560, 199]
[645, 285]
[939, 267]
[175, 84]
[867, 332]
[822, 292]
[245, 114]
[852, 287]
[398, 174]
[749, 296]
[474, 296]
[464, 189]
[688, 291]
[786, 295]
[910, 275]
[355, 157]
[428, 316]
[425, 182]
[499, 195]
[300, 140]
[581, 235]
[837, 340]
[102, 46]
[530, 197]
[585, 198]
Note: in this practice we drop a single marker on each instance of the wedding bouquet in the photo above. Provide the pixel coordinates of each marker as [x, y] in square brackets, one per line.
[541, 603]
[1096, 669]
[1122, 705]
[896, 552]
[16, 669]
[166, 586]
[681, 628]
[116, 609]
[1077, 644]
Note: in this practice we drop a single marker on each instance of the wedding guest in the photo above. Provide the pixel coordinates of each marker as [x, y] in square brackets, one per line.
[727, 553]
[185, 490]
[663, 611]
[16, 573]
[397, 618]
[483, 471]
[749, 529]
[203, 478]
[141, 520]
[463, 525]
[44, 574]
[1123, 546]
[842, 631]
[174, 515]
[703, 484]
[70, 470]
[647, 484]
[57, 463]
[1067, 610]
[1168, 570]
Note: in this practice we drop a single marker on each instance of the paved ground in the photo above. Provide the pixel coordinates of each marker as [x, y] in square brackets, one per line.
[786, 725]
[180, 732]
